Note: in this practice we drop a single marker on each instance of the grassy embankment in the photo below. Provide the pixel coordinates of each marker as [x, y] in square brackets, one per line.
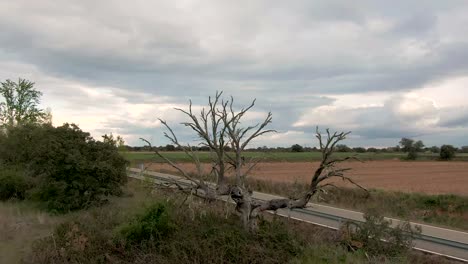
[193, 232]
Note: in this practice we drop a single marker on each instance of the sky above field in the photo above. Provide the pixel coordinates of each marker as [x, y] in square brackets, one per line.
[381, 69]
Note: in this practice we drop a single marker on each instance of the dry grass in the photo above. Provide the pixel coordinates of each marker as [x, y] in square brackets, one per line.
[20, 225]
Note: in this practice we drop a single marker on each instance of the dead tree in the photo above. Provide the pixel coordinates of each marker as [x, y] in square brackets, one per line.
[327, 169]
[219, 126]
[240, 137]
[210, 129]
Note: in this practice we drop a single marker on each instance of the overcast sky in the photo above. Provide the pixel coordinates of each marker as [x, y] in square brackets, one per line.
[382, 69]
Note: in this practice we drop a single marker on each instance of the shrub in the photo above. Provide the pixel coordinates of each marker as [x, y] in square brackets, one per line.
[202, 237]
[12, 184]
[376, 236]
[72, 170]
[447, 152]
[17, 143]
[412, 155]
[151, 226]
[297, 148]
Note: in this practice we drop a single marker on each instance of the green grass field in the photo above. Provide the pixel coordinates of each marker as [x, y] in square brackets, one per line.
[135, 157]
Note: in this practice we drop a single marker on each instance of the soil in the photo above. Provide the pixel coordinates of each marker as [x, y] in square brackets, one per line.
[432, 177]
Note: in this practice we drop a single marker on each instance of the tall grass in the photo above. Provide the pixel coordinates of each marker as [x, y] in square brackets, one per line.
[202, 233]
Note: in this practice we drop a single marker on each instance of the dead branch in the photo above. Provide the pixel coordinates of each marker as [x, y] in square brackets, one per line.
[326, 170]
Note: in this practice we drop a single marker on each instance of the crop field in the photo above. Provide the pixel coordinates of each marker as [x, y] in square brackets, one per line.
[179, 156]
[265, 156]
[431, 177]
[378, 170]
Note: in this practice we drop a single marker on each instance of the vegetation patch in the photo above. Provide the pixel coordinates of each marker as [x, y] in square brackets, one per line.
[13, 184]
[68, 169]
[203, 234]
[153, 225]
[376, 236]
[116, 234]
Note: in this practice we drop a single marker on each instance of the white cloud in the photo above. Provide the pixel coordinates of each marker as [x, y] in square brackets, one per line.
[408, 113]
[413, 110]
[450, 92]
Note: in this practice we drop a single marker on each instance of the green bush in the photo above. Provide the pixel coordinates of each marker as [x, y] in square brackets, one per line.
[151, 226]
[376, 236]
[72, 170]
[447, 152]
[16, 144]
[412, 155]
[297, 148]
[114, 234]
[13, 184]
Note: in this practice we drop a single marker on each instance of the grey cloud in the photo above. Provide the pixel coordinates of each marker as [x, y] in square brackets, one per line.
[168, 57]
[416, 25]
[284, 54]
[454, 117]
[459, 122]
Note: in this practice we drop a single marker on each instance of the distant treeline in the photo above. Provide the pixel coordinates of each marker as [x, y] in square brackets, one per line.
[297, 148]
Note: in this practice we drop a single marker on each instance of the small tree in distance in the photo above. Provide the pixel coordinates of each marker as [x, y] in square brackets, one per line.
[447, 152]
[343, 148]
[297, 148]
[464, 149]
[117, 142]
[412, 147]
[434, 149]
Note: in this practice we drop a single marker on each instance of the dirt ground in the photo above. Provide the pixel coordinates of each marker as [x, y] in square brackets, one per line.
[433, 177]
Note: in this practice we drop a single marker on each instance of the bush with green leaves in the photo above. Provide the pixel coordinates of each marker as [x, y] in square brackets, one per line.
[13, 184]
[447, 152]
[153, 225]
[297, 148]
[412, 147]
[71, 169]
[376, 236]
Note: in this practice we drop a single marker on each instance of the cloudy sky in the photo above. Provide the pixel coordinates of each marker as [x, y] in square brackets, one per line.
[382, 69]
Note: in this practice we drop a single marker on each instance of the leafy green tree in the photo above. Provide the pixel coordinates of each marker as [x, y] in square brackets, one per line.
[297, 148]
[434, 149]
[342, 148]
[412, 147]
[418, 145]
[117, 142]
[371, 149]
[170, 147]
[447, 152]
[359, 149]
[406, 144]
[20, 103]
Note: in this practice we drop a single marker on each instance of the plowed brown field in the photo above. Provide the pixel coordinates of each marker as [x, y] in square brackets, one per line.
[433, 177]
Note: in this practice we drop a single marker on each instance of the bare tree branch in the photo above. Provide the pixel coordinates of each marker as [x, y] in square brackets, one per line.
[220, 126]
